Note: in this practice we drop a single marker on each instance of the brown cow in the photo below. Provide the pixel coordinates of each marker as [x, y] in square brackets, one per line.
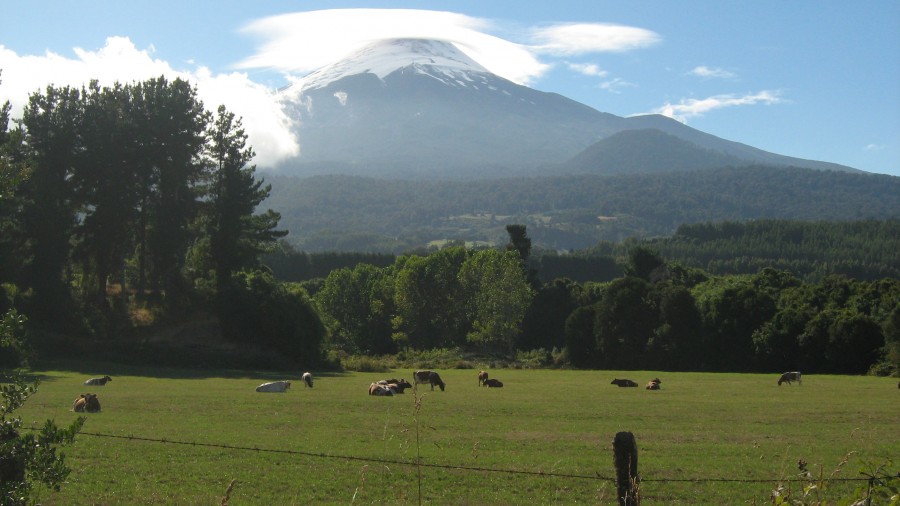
[86, 402]
[623, 382]
[789, 377]
[397, 386]
[429, 377]
[493, 383]
[653, 384]
[482, 377]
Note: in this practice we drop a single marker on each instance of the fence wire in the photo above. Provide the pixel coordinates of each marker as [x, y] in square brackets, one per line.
[420, 463]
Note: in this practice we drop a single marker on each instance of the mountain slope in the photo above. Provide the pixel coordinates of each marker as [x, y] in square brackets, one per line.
[423, 109]
[646, 151]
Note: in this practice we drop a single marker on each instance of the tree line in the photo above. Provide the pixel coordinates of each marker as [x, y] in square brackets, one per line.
[656, 315]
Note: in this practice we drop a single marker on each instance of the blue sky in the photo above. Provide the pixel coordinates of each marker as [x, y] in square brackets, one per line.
[811, 79]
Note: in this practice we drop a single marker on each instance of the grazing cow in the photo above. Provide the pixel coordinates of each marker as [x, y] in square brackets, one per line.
[86, 402]
[275, 386]
[482, 377]
[623, 382]
[493, 383]
[307, 379]
[98, 381]
[790, 377]
[380, 390]
[429, 377]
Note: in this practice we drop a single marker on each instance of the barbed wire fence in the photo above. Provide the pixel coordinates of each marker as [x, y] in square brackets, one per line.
[632, 478]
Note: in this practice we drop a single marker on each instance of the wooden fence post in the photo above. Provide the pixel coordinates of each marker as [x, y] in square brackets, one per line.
[625, 458]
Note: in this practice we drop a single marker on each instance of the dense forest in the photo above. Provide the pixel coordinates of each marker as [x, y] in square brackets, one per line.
[810, 250]
[130, 209]
[134, 203]
[344, 213]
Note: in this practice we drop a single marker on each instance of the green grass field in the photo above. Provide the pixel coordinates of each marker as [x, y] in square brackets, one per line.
[334, 444]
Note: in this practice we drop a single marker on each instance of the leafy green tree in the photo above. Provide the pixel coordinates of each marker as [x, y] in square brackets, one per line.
[891, 331]
[677, 342]
[544, 324]
[854, 343]
[581, 345]
[360, 303]
[646, 264]
[430, 300]
[29, 461]
[626, 317]
[498, 296]
[732, 310]
[259, 311]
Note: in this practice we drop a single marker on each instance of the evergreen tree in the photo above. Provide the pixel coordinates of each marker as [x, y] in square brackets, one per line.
[106, 185]
[52, 125]
[237, 236]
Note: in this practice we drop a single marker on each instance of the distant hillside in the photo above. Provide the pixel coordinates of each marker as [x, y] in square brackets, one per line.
[347, 213]
[647, 151]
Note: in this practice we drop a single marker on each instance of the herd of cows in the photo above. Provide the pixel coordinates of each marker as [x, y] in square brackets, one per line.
[389, 387]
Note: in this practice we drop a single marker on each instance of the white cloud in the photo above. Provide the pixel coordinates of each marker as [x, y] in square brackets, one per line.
[304, 41]
[874, 147]
[267, 127]
[691, 108]
[582, 38]
[704, 71]
[616, 85]
[588, 69]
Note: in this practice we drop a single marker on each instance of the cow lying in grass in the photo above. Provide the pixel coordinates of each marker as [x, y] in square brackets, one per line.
[396, 386]
[482, 377]
[493, 383]
[789, 377]
[86, 402]
[98, 381]
[275, 386]
[429, 377]
[307, 379]
[380, 390]
[654, 384]
[623, 382]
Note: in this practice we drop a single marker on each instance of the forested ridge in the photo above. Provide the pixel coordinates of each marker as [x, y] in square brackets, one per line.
[351, 213]
[130, 209]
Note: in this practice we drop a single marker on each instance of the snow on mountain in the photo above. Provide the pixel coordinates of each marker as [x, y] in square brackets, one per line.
[423, 108]
[439, 59]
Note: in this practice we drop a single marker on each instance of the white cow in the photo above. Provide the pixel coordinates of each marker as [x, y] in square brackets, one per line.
[307, 379]
[275, 386]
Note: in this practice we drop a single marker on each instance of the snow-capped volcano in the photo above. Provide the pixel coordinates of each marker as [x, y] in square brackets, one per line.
[423, 108]
[439, 59]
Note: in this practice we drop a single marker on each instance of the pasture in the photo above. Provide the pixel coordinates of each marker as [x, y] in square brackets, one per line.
[334, 444]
